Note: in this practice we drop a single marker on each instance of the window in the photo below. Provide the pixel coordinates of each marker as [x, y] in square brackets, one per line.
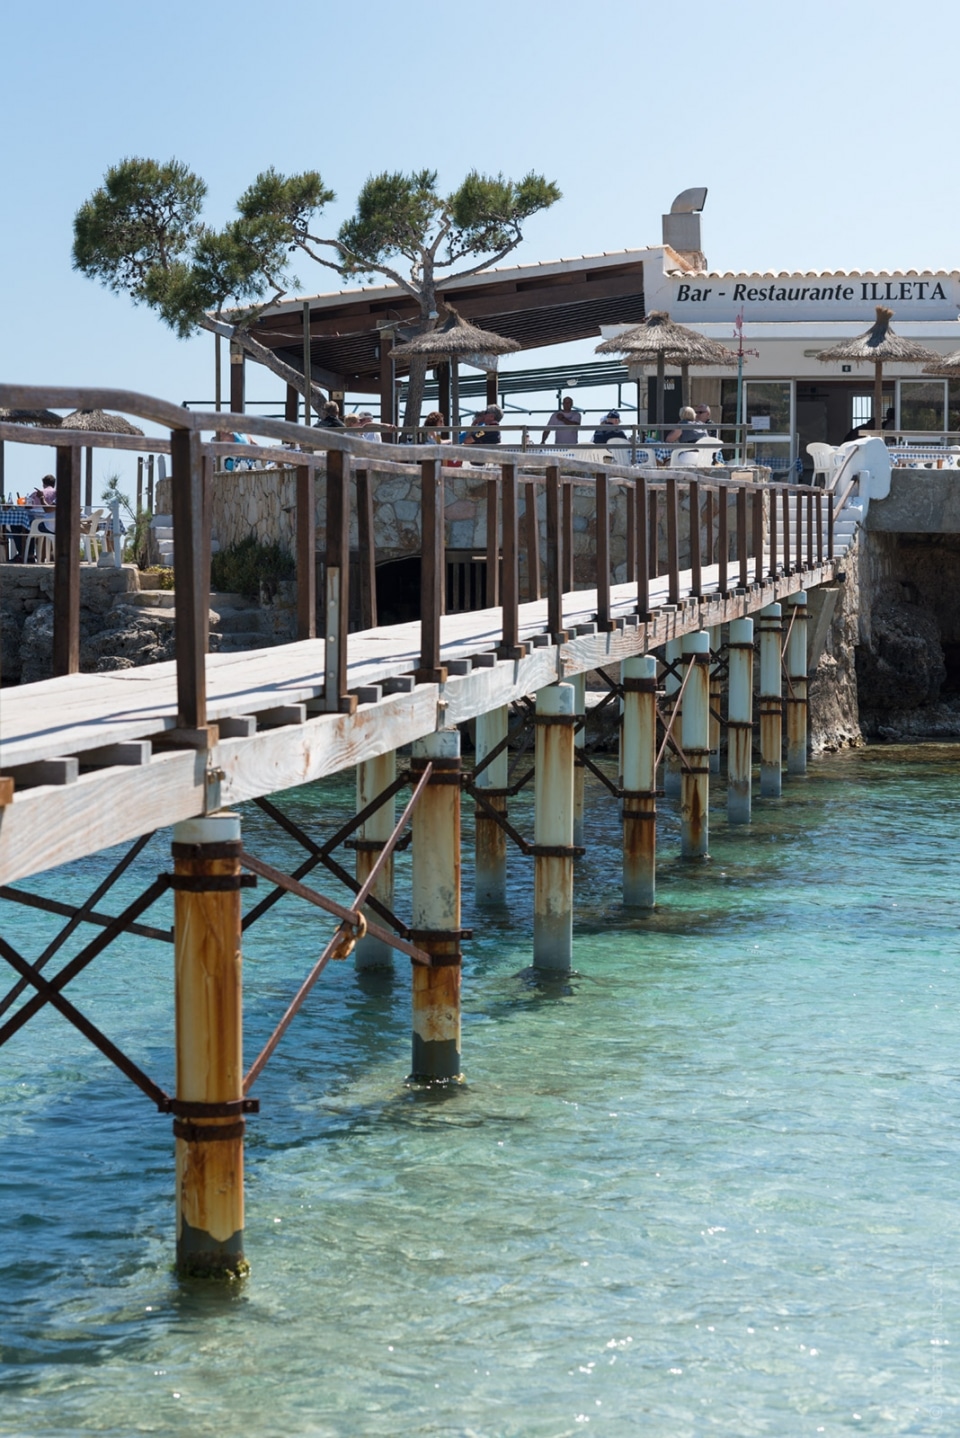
[922, 404]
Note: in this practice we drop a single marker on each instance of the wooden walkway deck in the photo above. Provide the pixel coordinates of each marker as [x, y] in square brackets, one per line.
[264, 746]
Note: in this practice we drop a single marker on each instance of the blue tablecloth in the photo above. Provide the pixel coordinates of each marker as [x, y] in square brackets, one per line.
[19, 517]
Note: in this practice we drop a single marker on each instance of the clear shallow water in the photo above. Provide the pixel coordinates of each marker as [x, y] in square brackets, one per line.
[711, 1187]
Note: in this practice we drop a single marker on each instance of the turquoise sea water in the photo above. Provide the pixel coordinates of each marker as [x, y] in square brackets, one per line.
[709, 1187]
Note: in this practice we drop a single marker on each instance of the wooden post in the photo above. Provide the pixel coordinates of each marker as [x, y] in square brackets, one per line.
[708, 526]
[368, 551]
[443, 389]
[553, 830]
[723, 540]
[139, 483]
[306, 552]
[797, 685]
[531, 538]
[567, 542]
[432, 572]
[771, 703]
[742, 536]
[639, 751]
[630, 501]
[217, 375]
[695, 722]
[66, 564]
[654, 527]
[491, 841]
[307, 359]
[492, 567]
[774, 539]
[208, 999]
[436, 910]
[510, 646]
[150, 464]
[642, 550]
[809, 499]
[740, 721]
[291, 408]
[373, 776]
[604, 622]
[337, 597]
[191, 578]
[388, 394]
[798, 513]
[555, 627]
[787, 565]
[88, 482]
[673, 540]
[819, 502]
[237, 379]
[492, 392]
[696, 568]
[758, 494]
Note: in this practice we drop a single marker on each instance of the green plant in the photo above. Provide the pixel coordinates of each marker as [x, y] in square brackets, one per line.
[251, 568]
[138, 522]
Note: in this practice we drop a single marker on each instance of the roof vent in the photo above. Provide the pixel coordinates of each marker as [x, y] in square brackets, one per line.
[681, 228]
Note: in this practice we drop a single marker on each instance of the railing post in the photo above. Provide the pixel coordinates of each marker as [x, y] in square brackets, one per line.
[208, 1002]
[723, 539]
[432, 575]
[602, 491]
[436, 910]
[510, 646]
[742, 536]
[337, 598]
[708, 525]
[810, 529]
[696, 571]
[643, 549]
[774, 544]
[567, 544]
[493, 544]
[639, 750]
[830, 521]
[798, 511]
[630, 501]
[819, 502]
[653, 511]
[787, 566]
[531, 538]
[366, 542]
[191, 579]
[758, 501]
[66, 563]
[673, 540]
[555, 627]
[306, 552]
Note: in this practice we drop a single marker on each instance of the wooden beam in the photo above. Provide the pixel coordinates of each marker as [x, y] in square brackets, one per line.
[66, 572]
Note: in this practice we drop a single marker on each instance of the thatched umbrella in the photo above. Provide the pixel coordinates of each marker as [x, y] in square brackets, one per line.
[96, 421]
[882, 346]
[38, 418]
[456, 340]
[660, 341]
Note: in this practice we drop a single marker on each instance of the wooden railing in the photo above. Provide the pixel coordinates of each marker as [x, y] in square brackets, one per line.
[696, 518]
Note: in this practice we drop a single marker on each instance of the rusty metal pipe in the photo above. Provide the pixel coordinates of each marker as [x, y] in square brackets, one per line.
[797, 686]
[695, 741]
[673, 649]
[491, 841]
[208, 1005]
[639, 757]
[553, 829]
[740, 721]
[771, 703]
[373, 776]
[436, 911]
[716, 638]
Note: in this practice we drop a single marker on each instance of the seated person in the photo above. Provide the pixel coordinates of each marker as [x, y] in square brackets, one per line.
[689, 431]
[365, 425]
[609, 428]
[484, 429]
[433, 425]
[330, 417]
[45, 494]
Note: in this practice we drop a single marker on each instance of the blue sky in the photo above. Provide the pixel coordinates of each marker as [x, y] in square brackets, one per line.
[823, 133]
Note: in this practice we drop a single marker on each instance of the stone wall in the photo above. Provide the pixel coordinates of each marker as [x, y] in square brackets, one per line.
[112, 633]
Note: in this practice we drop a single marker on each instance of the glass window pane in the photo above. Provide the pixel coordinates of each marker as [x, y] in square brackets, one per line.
[953, 422]
[769, 402]
[921, 404]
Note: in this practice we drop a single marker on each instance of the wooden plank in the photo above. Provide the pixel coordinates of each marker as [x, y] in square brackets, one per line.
[66, 568]
[306, 552]
[191, 577]
[132, 752]
[282, 715]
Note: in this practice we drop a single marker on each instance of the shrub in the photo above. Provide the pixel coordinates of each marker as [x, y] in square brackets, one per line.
[251, 568]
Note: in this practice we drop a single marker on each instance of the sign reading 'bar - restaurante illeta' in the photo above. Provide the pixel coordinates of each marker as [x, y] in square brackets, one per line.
[707, 297]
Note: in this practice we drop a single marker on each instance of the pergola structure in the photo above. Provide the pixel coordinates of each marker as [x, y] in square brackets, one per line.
[352, 332]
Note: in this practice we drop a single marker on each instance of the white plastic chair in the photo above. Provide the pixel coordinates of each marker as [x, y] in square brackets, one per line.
[42, 540]
[825, 458]
[90, 535]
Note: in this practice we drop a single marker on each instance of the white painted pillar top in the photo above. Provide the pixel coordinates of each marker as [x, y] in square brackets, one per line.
[698, 643]
[640, 666]
[444, 744]
[223, 828]
[772, 611]
[557, 699]
[799, 598]
[741, 631]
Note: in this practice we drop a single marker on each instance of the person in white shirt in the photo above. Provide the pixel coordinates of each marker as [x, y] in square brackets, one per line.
[565, 423]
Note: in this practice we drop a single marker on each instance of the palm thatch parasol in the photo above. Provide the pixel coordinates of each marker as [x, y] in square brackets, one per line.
[456, 340]
[948, 366]
[661, 341]
[882, 346]
[96, 421]
[39, 418]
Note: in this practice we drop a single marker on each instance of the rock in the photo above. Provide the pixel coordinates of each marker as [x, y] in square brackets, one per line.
[902, 667]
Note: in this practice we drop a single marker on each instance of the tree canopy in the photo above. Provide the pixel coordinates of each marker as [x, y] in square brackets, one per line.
[142, 233]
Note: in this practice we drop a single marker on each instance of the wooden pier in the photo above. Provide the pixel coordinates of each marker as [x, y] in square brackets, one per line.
[89, 761]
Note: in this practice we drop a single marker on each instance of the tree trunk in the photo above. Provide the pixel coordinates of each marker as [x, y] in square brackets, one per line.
[267, 358]
[415, 387]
